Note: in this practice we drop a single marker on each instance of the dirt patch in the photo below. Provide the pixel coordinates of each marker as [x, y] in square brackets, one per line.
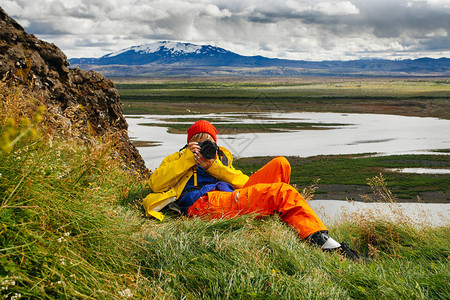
[341, 192]
[140, 144]
[356, 193]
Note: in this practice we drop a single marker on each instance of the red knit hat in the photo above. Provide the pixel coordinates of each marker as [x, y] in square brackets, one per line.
[202, 126]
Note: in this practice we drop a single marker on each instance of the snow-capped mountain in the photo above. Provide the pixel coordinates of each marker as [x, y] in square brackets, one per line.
[174, 59]
[165, 53]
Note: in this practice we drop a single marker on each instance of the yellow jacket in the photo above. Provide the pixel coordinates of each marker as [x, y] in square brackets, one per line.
[168, 181]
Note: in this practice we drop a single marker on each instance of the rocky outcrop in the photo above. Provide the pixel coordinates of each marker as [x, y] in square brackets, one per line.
[88, 101]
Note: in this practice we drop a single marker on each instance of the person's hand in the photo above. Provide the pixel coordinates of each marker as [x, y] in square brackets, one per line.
[198, 157]
[194, 147]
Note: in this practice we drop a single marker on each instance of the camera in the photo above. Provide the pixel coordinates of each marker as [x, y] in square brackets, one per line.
[208, 149]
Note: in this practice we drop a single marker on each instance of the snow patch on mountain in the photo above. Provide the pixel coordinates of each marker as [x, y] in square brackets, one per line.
[173, 47]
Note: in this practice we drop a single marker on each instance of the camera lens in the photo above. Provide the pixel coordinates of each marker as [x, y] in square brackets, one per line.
[208, 149]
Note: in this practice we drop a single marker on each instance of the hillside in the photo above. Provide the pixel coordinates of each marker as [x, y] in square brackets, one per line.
[71, 227]
[184, 59]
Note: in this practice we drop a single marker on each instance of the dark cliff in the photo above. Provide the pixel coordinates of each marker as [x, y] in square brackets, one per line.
[88, 102]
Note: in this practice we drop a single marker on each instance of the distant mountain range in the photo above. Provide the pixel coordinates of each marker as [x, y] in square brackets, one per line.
[185, 59]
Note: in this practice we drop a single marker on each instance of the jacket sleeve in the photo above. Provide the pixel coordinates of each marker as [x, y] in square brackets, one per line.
[171, 170]
[228, 174]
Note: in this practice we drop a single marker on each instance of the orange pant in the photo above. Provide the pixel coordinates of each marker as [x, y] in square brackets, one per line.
[266, 192]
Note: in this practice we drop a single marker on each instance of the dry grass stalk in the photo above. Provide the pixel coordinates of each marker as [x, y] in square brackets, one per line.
[308, 192]
[379, 190]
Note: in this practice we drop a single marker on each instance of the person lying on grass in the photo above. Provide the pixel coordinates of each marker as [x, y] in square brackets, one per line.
[200, 180]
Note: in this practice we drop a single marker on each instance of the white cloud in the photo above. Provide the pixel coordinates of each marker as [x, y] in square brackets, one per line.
[214, 11]
[295, 29]
[11, 7]
[439, 32]
[439, 3]
[428, 3]
[337, 9]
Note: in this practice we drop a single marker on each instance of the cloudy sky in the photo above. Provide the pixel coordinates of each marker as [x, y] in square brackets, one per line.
[293, 29]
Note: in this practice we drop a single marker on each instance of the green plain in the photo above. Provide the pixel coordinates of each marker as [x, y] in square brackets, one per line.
[427, 97]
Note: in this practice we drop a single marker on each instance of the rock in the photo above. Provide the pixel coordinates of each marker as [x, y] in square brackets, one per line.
[88, 102]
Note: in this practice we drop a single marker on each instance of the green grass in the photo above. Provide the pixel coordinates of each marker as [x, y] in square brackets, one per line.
[325, 87]
[282, 96]
[63, 231]
[398, 96]
[71, 227]
[242, 128]
[247, 258]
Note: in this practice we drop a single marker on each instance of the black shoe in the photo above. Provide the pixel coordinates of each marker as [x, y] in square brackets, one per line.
[318, 238]
[344, 250]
